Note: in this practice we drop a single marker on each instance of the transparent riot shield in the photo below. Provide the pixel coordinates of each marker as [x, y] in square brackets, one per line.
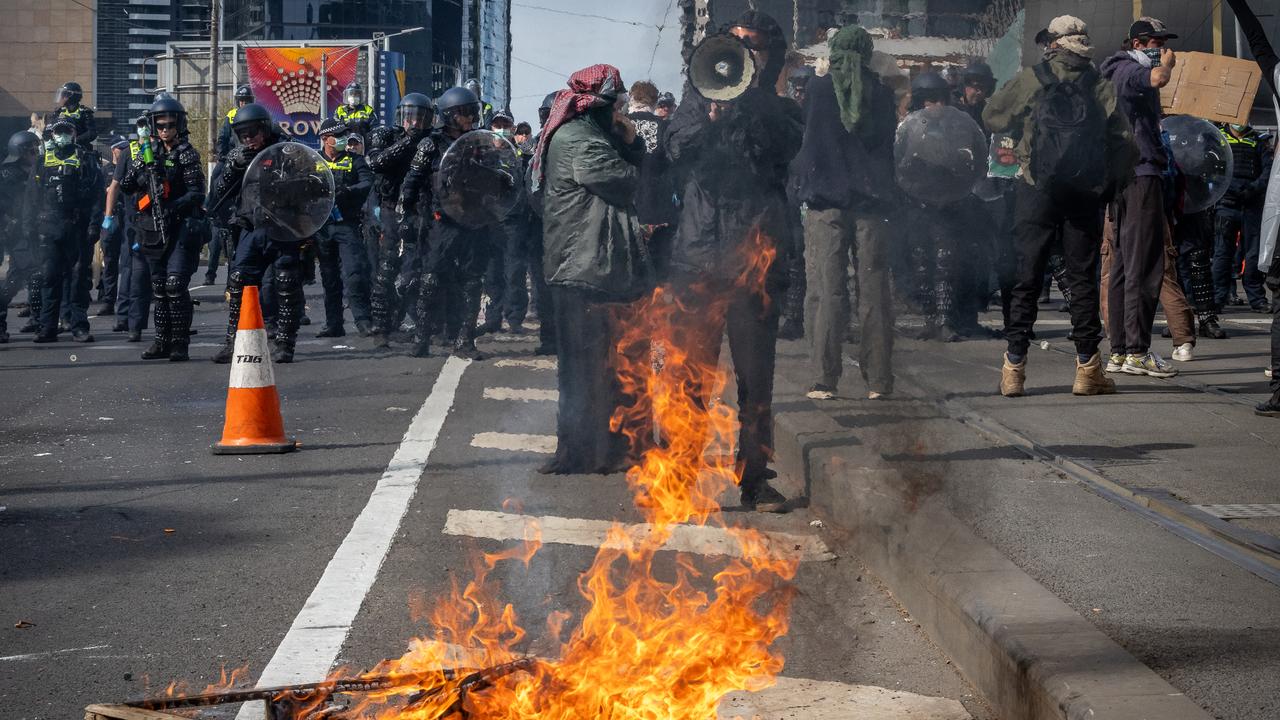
[479, 180]
[1203, 157]
[289, 190]
[939, 154]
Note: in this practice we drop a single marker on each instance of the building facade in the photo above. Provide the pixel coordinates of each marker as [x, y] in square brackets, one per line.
[43, 44]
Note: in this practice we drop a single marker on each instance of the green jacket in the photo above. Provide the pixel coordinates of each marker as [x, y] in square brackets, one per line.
[1010, 110]
[591, 236]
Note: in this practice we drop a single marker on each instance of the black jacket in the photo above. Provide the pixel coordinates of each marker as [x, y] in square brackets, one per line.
[1250, 169]
[732, 178]
[836, 168]
[180, 174]
[655, 198]
[229, 184]
[391, 150]
[67, 184]
[352, 180]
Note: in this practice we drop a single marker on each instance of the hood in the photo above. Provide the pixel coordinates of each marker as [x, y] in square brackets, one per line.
[765, 23]
[1110, 65]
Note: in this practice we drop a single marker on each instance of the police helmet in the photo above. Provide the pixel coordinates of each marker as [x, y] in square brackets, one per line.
[456, 102]
[70, 92]
[353, 94]
[417, 108]
[250, 117]
[332, 126]
[166, 104]
[244, 94]
[21, 143]
[929, 81]
[503, 114]
[979, 73]
[473, 85]
[63, 127]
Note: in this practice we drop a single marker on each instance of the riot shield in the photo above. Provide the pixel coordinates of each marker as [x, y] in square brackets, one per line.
[1203, 157]
[939, 154]
[288, 189]
[479, 180]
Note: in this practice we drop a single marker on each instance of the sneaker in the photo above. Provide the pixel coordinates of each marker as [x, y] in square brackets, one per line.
[821, 392]
[1184, 352]
[873, 395]
[762, 497]
[1115, 362]
[1150, 364]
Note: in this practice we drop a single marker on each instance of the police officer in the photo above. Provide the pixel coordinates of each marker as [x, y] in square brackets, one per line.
[486, 110]
[456, 255]
[1240, 215]
[70, 109]
[17, 186]
[168, 180]
[390, 153]
[505, 279]
[357, 115]
[226, 138]
[225, 234]
[344, 262]
[257, 251]
[68, 180]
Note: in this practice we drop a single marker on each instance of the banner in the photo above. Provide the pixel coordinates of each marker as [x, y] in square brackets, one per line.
[390, 84]
[286, 81]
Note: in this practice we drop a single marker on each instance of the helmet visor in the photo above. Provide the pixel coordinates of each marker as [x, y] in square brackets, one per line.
[353, 96]
[414, 116]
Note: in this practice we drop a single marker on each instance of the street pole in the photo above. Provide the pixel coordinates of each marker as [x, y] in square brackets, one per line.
[324, 85]
[215, 19]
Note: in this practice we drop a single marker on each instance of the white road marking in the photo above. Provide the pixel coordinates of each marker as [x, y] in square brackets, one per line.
[515, 442]
[793, 698]
[315, 639]
[521, 394]
[530, 363]
[1247, 321]
[49, 653]
[703, 540]
[140, 346]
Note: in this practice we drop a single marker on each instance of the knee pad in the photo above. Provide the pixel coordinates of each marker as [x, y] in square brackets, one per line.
[158, 291]
[174, 286]
[288, 280]
[235, 282]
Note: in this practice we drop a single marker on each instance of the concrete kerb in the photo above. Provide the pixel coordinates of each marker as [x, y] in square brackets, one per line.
[1025, 650]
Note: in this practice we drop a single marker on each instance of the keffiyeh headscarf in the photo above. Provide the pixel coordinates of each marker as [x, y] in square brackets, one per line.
[850, 50]
[592, 87]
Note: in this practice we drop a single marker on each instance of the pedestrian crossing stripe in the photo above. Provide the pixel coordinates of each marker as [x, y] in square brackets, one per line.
[697, 539]
[516, 442]
[521, 394]
[251, 362]
[529, 363]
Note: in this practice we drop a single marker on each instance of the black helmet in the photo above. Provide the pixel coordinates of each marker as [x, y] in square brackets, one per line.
[544, 110]
[251, 116]
[166, 104]
[458, 101]
[929, 81]
[666, 99]
[473, 85]
[979, 73]
[503, 114]
[244, 93]
[70, 92]
[415, 106]
[353, 94]
[332, 126]
[21, 143]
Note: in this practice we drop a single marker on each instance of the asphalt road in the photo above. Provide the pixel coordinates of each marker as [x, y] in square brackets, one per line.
[133, 557]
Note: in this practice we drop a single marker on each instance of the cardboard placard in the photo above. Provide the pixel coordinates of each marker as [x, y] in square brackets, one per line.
[1214, 87]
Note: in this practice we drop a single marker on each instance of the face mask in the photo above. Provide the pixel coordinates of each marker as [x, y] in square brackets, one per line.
[61, 140]
[503, 133]
[1154, 54]
[340, 145]
[1237, 128]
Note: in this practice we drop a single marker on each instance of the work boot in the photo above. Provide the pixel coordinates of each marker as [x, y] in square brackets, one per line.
[1209, 328]
[160, 346]
[1270, 408]
[282, 353]
[1012, 377]
[760, 496]
[1090, 379]
[223, 356]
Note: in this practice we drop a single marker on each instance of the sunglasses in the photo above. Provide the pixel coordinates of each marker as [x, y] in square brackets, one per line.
[248, 133]
[167, 126]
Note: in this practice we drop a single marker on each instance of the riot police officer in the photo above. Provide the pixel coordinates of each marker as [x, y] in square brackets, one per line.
[258, 251]
[225, 234]
[17, 185]
[70, 109]
[344, 262]
[390, 152]
[226, 138]
[357, 115]
[69, 182]
[168, 180]
[456, 255]
[486, 110]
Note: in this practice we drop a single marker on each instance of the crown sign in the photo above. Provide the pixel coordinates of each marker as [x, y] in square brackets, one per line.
[299, 90]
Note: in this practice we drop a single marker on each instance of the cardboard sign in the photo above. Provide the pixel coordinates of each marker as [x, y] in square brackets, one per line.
[1213, 87]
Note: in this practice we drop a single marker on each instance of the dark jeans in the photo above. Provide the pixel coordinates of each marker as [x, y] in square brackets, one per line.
[110, 278]
[1040, 220]
[1238, 242]
[1274, 284]
[68, 259]
[344, 268]
[541, 293]
[506, 278]
[1137, 269]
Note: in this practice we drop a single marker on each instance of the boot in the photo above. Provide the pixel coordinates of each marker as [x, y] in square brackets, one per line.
[288, 316]
[34, 303]
[1209, 328]
[282, 353]
[180, 312]
[465, 347]
[1012, 377]
[160, 346]
[223, 356]
[1091, 380]
[1270, 408]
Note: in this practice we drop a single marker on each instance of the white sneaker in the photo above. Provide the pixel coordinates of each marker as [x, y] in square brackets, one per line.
[1184, 352]
[1267, 372]
[1115, 362]
[821, 392]
[1150, 364]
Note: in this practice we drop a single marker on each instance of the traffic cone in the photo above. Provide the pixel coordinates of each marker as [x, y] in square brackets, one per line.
[254, 425]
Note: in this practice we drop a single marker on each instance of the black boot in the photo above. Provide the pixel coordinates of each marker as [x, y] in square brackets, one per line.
[180, 311]
[288, 316]
[160, 346]
[235, 293]
[1270, 408]
[465, 346]
[1209, 328]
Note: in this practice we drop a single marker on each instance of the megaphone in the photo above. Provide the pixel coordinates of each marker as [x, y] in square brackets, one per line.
[721, 68]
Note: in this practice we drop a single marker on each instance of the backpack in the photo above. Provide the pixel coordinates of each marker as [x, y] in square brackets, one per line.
[1068, 144]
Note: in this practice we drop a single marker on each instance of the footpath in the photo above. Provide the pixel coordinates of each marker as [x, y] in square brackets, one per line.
[1108, 557]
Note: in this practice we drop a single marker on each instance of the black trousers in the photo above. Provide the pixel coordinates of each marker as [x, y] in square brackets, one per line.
[68, 257]
[344, 269]
[506, 278]
[1137, 265]
[1039, 220]
[1273, 283]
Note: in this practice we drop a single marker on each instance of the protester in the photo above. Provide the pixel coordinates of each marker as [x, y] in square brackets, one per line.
[655, 204]
[1138, 252]
[1066, 178]
[732, 159]
[586, 164]
[844, 176]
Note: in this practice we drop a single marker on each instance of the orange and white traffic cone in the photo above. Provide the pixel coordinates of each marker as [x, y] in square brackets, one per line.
[254, 425]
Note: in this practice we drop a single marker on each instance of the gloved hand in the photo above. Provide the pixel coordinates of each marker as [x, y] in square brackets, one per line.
[377, 213]
[109, 223]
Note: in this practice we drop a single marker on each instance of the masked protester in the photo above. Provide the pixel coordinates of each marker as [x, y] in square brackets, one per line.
[655, 203]
[258, 252]
[68, 181]
[354, 112]
[391, 150]
[344, 264]
[17, 195]
[666, 105]
[732, 160]
[168, 180]
[587, 166]
[457, 255]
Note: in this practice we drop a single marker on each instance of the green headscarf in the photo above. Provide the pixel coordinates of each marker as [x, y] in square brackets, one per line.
[850, 51]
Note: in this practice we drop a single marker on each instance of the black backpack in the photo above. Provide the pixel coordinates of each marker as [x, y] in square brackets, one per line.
[1068, 141]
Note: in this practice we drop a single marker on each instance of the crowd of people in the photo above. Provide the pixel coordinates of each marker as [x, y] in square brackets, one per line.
[622, 190]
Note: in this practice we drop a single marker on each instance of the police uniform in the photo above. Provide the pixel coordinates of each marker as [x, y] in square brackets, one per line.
[68, 180]
[1239, 213]
[359, 118]
[391, 152]
[81, 117]
[344, 262]
[17, 191]
[166, 243]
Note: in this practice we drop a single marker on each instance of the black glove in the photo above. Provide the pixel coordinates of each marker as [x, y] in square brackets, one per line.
[240, 157]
